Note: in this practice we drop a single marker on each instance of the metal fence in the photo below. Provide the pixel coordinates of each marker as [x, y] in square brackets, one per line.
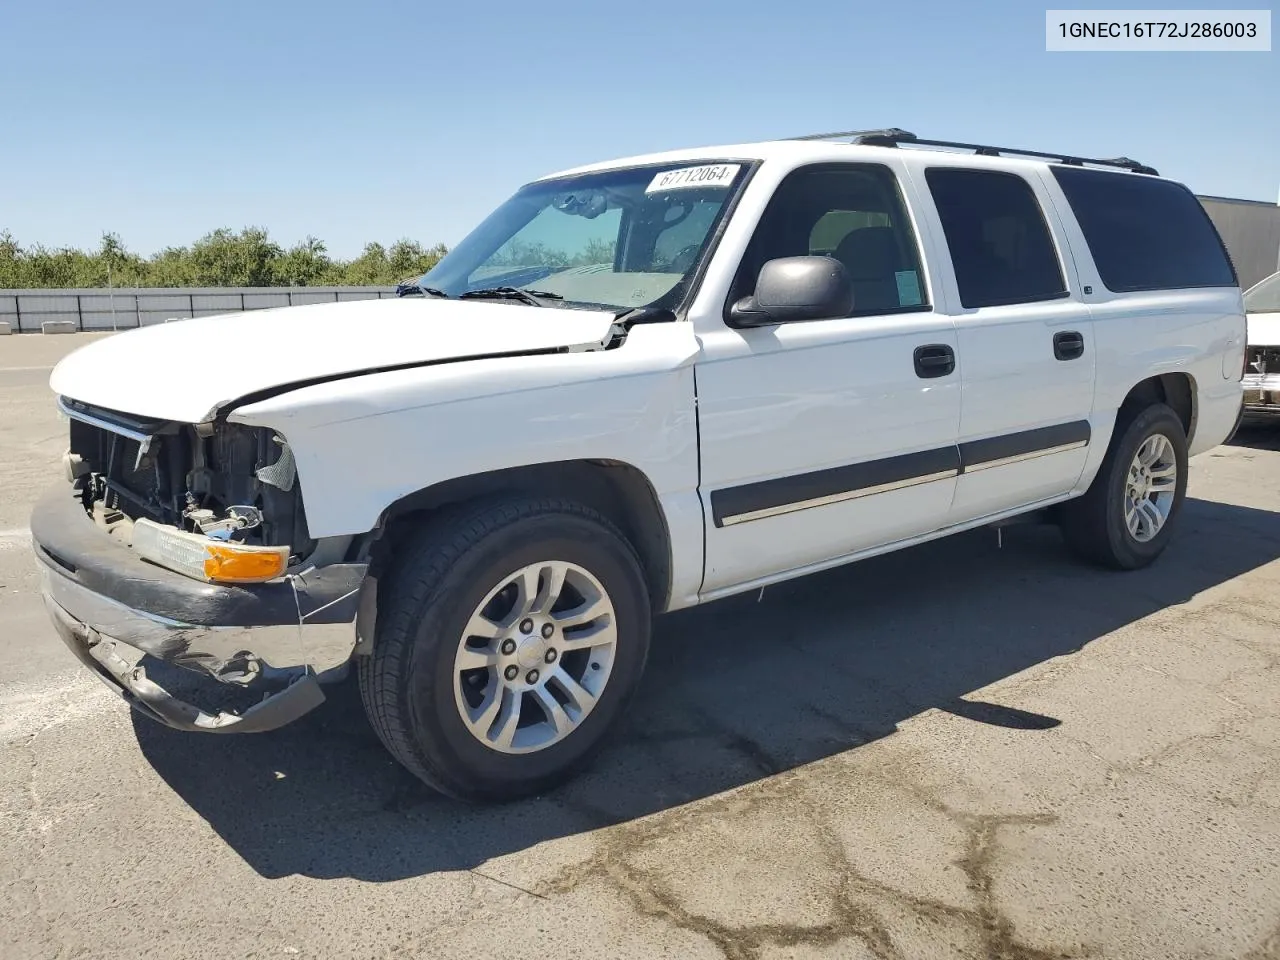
[121, 309]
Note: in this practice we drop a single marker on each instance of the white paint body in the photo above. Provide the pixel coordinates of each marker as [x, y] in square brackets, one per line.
[695, 405]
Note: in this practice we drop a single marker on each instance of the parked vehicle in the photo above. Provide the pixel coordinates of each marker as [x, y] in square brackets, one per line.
[1262, 368]
[635, 387]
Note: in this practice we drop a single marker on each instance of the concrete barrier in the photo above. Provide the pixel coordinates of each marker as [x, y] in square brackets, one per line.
[5, 328]
[58, 326]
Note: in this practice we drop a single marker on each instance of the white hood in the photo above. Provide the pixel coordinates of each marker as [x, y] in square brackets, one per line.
[187, 369]
[1264, 329]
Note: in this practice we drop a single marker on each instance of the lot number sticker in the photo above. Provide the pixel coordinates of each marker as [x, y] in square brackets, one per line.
[711, 175]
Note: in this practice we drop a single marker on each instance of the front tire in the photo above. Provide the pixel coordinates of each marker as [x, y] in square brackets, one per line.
[1125, 519]
[509, 641]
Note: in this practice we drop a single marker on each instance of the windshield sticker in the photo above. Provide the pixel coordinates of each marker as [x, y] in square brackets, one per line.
[711, 175]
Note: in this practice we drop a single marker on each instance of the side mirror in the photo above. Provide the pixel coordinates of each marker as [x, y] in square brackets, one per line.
[795, 288]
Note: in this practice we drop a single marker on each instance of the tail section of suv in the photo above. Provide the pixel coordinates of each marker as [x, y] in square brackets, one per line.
[635, 387]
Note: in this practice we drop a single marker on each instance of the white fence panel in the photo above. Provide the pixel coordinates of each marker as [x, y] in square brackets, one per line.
[263, 301]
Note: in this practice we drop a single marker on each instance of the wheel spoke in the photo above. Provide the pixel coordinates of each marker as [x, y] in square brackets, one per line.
[1164, 469]
[581, 698]
[1149, 451]
[552, 576]
[472, 659]
[555, 713]
[482, 721]
[1163, 484]
[1155, 518]
[526, 582]
[481, 626]
[509, 718]
[1142, 521]
[602, 634]
[585, 612]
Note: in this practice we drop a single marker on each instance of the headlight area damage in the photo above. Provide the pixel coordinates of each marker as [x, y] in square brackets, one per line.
[229, 485]
[187, 545]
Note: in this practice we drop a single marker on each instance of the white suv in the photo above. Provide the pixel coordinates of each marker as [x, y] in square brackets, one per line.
[635, 387]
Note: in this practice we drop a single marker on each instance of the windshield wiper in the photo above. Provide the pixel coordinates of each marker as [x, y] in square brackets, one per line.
[534, 298]
[417, 289]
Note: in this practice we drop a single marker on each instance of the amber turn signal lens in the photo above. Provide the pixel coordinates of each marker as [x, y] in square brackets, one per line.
[236, 564]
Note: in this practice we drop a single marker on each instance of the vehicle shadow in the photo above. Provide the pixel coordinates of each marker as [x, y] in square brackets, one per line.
[734, 692]
[1259, 431]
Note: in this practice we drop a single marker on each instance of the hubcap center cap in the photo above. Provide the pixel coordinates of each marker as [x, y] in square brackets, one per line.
[531, 651]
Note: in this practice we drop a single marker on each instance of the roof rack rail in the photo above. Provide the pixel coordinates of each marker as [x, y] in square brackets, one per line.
[893, 136]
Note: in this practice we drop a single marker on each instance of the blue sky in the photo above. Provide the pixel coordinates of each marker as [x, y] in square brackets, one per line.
[379, 120]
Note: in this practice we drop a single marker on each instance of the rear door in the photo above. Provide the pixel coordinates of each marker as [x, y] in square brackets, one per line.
[1026, 346]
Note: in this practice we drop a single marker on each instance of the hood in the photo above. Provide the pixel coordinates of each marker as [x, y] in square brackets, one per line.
[1264, 329]
[187, 370]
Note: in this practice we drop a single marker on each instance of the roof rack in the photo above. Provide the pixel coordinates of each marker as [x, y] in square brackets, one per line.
[893, 137]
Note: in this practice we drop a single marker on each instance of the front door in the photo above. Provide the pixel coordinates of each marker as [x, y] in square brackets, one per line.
[826, 438]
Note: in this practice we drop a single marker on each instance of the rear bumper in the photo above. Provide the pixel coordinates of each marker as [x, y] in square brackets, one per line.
[114, 610]
[1261, 389]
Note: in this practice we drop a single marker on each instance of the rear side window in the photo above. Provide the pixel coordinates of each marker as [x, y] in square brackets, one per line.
[1000, 245]
[1144, 233]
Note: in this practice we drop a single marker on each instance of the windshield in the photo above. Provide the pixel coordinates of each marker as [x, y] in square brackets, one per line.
[618, 239]
[1263, 297]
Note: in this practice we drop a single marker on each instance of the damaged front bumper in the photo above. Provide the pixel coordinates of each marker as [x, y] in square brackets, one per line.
[115, 610]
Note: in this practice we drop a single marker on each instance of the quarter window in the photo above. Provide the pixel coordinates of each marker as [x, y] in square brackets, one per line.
[1000, 245]
[1145, 233]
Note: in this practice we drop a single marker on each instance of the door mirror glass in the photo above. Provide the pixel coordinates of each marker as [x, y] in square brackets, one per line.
[790, 289]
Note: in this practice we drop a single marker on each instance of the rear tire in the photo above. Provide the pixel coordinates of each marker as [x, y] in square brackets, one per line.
[480, 682]
[1125, 519]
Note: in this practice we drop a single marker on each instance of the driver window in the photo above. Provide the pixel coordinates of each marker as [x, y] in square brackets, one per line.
[853, 213]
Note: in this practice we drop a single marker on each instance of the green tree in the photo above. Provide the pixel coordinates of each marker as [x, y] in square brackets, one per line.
[305, 264]
[221, 258]
[226, 259]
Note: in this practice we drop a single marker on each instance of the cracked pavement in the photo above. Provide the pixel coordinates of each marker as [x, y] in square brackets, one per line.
[958, 750]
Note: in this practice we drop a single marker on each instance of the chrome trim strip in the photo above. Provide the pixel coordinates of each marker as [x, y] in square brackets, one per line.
[143, 439]
[837, 497]
[1030, 455]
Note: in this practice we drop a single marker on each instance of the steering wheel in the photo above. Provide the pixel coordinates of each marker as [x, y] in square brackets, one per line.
[684, 258]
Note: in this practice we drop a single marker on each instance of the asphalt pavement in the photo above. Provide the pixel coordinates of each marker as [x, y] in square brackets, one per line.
[965, 749]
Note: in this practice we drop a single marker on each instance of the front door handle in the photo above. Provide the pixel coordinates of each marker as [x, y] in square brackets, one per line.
[1068, 345]
[934, 360]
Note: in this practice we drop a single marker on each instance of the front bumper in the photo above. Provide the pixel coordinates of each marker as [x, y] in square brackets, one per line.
[114, 610]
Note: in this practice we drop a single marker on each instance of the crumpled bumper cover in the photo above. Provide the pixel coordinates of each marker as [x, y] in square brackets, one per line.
[113, 610]
[117, 664]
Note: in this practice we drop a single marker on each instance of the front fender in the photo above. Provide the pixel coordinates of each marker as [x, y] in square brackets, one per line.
[361, 444]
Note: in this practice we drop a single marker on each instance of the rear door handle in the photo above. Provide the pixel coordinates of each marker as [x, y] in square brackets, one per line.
[934, 360]
[1068, 345]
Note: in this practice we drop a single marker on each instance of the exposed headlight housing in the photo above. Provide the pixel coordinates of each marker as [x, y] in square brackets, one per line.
[198, 556]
